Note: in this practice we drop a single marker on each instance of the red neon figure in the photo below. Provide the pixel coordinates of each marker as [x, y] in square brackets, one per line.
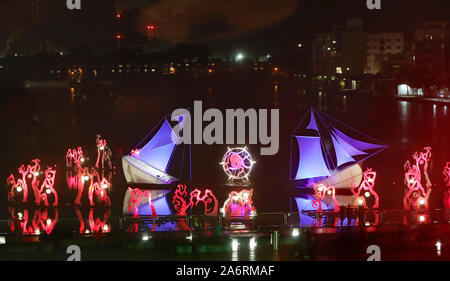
[98, 186]
[97, 224]
[239, 204]
[100, 190]
[74, 157]
[179, 201]
[416, 196]
[181, 206]
[30, 175]
[19, 186]
[135, 152]
[366, 186]
[136, 197]
[47, 187]
[321, 192]
[104, 153]
[447, 180]
[447, 174]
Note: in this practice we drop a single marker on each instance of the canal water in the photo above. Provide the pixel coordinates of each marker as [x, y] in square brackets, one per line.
[44, 122]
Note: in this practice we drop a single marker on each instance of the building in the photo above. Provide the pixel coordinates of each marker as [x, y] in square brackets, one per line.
[382, 47]
[431, 47]
[341, 51]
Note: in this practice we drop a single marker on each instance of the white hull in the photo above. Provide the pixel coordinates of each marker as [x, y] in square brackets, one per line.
[137, 171]
[345, 178]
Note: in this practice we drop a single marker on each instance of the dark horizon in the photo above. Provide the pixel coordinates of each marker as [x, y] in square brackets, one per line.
[276, 29]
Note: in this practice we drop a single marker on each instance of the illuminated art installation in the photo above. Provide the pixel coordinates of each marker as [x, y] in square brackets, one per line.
[136, 197]
[104, 154]
[237, 164]
[447, 181]
[239, 204]
[208, 201]
[99, 186]
[47, 189]
[74, 157]
[365, 190]
[149, 163]
[321, 192]
[328, 152]
[416, 195]
[30, 175]
[447, 173]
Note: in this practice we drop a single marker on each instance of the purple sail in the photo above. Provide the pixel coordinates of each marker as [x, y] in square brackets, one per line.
[158, 151]
[354, 147]
[312, 123]
[342, 154]
[312, 163]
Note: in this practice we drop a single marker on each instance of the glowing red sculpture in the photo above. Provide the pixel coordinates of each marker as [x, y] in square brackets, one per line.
[181, 205]
[99, 189]
[74, 157]
[321, 193]
[98, 186]
[104, 154]
[29, 176]
[239, 204]
[416, 195]
[447, 173]
[365, 189]
[47, 187]
[136, 197]
[447, 181]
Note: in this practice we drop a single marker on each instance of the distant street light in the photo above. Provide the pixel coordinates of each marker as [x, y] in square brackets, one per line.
[300, 45]
[239, 57]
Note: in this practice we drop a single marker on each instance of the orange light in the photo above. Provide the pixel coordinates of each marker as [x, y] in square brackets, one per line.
[118, 15]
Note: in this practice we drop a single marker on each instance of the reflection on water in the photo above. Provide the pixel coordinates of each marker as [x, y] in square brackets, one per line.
[26, 221]
[234, 250]
[29, 222]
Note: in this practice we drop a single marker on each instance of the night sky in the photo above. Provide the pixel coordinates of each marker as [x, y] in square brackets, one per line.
[255, 26]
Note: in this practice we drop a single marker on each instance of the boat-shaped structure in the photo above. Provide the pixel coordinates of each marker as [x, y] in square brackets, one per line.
[327, 152]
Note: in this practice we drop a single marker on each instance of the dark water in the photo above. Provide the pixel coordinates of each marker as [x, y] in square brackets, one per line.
[44, 123]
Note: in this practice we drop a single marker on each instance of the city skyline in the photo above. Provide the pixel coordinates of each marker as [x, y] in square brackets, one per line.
[96, 25]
